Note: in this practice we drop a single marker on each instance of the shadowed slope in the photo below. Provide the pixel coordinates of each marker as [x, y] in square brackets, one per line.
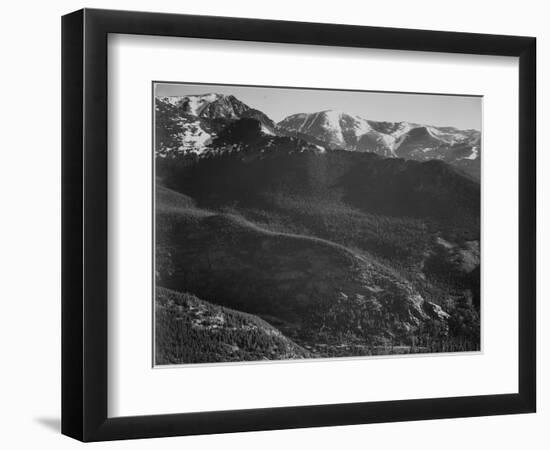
[189, 330]
[304, 285]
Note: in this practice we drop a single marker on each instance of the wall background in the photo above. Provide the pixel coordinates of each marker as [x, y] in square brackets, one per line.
[30, 224]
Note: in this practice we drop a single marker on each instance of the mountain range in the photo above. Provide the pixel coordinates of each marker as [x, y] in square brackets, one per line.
[197, 119]
[322, 235]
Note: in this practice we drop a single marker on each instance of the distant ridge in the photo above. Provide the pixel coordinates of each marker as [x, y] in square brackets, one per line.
[190, 124]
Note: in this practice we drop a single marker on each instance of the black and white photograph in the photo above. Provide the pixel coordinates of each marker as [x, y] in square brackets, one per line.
[275, 225]
[309, 223]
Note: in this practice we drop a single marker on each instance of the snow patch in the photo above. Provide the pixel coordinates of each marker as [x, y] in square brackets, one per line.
[267, 131]
[389, 141]
[321, 149]
[173, 100]
[332, 118]
[194, 138]
[474, 154]
[331, 122]
[402, 128]
[195, 103]
[361, 126]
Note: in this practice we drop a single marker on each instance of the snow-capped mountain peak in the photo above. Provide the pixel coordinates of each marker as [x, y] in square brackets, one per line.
[331, 126]
[195, 121]
[339, 130]
[192, 104]
[210, 105]
[390, 139]
[197, 103]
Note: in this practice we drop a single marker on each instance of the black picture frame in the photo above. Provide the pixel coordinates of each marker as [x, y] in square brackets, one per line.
[84, 224]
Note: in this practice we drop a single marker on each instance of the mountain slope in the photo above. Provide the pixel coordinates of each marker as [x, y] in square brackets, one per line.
[390, 139]
[308, 287]
[306, 242]
[187, 124]
[395, 210]
[215, 106]
[213, 333]
[367, 183]
[339, 130]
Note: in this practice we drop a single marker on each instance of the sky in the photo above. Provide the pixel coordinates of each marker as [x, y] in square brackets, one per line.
[463, 112]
